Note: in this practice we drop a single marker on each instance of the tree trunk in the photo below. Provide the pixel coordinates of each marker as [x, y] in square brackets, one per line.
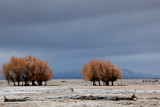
[33, 83]
[103, 83]
[107, 83]
[99, 83]
[12, 79]
[112, 83]
[14, 83]
[26, 83]
[39, 82]
[18, 83]
[94, 83]
[22, 83]
[8, 82]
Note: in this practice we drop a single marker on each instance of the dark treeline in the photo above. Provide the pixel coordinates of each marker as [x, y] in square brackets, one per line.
[25, 70]
[100, 70]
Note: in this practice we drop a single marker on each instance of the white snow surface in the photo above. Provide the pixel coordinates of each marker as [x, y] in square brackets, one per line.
[21, 90]
[36, 89]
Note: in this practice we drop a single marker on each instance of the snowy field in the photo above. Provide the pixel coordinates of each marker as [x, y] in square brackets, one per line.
[62, 95]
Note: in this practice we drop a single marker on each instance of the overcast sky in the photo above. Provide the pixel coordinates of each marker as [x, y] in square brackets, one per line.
[69, 33]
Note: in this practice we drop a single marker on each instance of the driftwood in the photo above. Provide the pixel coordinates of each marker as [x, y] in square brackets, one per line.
[114, 98]
[134, 97]
[81, 97]
[103, 98]
[16, 100]
[150, 80]
[154, 98]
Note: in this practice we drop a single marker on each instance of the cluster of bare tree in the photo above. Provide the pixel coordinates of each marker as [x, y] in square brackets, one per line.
[26, 69]
[100, 70]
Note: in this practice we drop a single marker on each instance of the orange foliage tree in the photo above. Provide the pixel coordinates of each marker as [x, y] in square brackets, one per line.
[26, 69]
[100, 70]
[89, 71]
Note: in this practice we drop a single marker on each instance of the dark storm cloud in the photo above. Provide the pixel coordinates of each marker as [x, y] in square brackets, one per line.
[78, 31]
[21, 12]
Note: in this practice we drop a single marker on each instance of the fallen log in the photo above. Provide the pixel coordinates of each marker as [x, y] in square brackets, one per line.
[90, 97]
[102, 98]
[16, 100]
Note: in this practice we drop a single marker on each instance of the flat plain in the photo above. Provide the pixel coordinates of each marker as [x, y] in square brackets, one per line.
[78, 93]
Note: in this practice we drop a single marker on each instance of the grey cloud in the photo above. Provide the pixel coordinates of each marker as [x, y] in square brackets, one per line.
[38, 12]
[77, 31]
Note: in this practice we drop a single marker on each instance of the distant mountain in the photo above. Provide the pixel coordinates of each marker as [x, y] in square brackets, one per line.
[128, 74]
[67, 75]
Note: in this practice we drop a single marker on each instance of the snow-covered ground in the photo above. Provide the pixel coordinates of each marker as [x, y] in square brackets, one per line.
[43, 89]
[53, 96]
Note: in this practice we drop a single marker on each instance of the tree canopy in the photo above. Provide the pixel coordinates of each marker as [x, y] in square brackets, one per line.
[100, 70]
[26, 69]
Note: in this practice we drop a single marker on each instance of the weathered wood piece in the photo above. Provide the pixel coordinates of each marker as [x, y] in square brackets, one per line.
[16, 100]
[103, 98]
[82, 97]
